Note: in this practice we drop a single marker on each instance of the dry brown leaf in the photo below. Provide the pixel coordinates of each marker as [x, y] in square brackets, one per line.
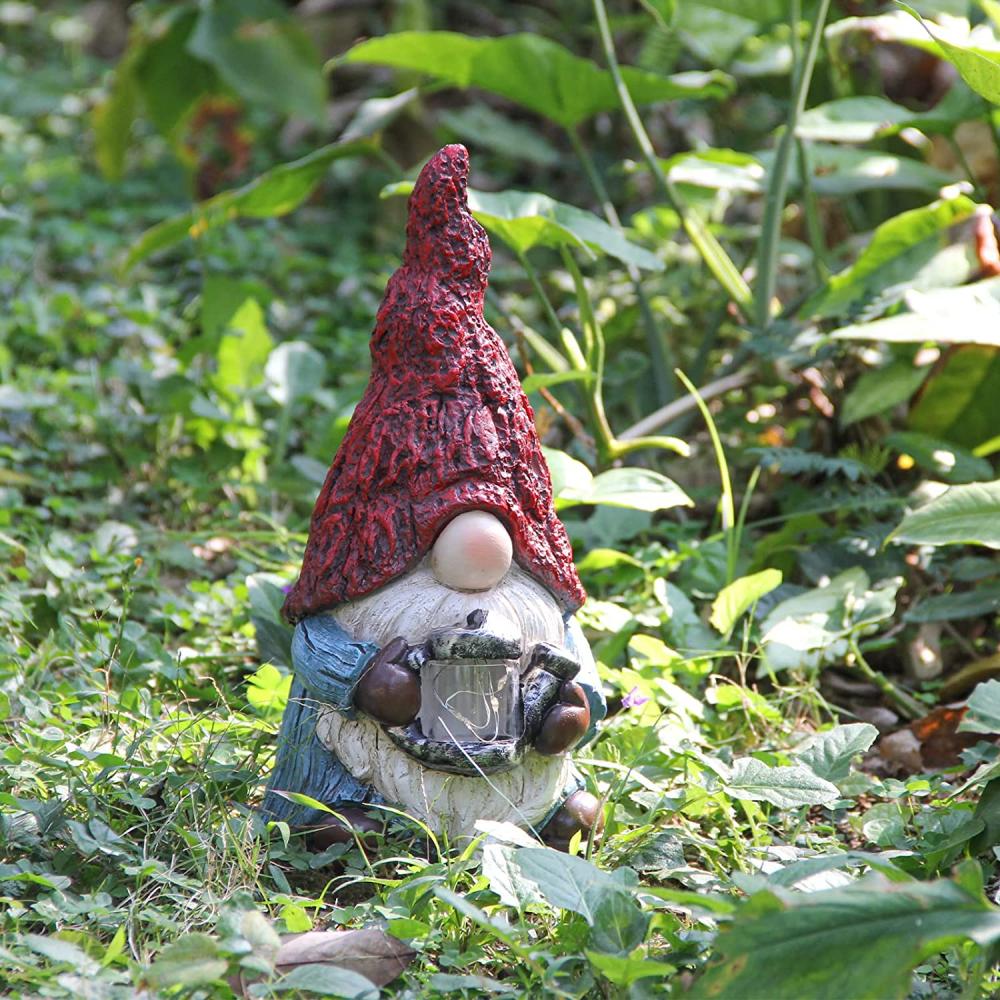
[369, 951]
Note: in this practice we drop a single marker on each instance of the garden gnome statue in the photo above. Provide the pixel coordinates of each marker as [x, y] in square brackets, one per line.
[437, 665]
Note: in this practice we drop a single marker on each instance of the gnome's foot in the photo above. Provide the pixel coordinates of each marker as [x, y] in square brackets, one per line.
[580, 813]
[566, 722]
[336, 830]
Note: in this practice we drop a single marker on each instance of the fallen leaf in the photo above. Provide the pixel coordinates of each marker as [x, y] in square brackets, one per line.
[369, 951]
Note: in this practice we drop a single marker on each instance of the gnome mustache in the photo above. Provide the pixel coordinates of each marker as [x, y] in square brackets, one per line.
[437, 664]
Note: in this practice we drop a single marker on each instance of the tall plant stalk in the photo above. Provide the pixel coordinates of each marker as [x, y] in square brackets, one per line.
[711, 251]
[770, 233]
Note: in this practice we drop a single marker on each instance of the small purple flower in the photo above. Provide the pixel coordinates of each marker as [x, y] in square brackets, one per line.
[634, 699]
[287, 587]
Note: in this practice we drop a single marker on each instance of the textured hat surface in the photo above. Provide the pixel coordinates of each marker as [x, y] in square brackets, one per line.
[443, 426]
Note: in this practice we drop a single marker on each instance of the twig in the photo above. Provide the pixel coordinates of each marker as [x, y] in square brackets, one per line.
[666, 414]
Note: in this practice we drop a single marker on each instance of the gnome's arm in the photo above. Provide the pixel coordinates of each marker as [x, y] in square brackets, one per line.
[329, 662]
[579, 650]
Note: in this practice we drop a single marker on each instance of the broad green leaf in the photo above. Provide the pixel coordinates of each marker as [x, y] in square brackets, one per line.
[899, 249]
[740, 595]
[171, 79]
[983, 712]
[961, 401]
[861, 119]
[881, 389]
[785, 787]
[481, 125]
[835, 171]
[814, 628]
[567, 472]
[275, 192]
[527, 219]
[529, 70]
[962, 515]
[603, 899]
[637, 489]
[112, 119]
[942, 459]
[192, 960]
[294, 371]
[984, 600]
[619, 925]
[861, 941]
[243, 351]
[324, 980]
[718, 169]
[623, 970]
[55, 949]
[264, 54]
[829, 754]
[966, 315]
[712, 34]
[980, 68]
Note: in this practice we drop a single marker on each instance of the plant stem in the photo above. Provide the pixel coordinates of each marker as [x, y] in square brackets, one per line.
[712, 253]
[767, 255]
[727, 505]
[536, 284]
[659, 347]
[906, 703]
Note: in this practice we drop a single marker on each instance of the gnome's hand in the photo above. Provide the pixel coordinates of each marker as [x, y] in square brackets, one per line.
[389, 690]
[565, 722]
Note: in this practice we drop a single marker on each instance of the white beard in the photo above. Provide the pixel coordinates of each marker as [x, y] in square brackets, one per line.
[413, 606]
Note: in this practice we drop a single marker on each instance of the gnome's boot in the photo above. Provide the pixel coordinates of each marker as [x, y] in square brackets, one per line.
[580, 813]
[349, 824]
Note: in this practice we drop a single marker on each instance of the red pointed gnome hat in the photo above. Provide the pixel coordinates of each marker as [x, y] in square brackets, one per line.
[443, 426]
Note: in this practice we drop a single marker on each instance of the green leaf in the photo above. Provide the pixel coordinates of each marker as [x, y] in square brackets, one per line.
[634, 488]
[275, 192]
[262, 52]
[941, 458]
[325, 981]
[784, 787]
[881, 389]
[829, 754]
[572, 883]
[982, 714]
[623, 970]
[481, 125]
[814, 628]
[899, 249]
[861, 119]
[294, 371]
[836, 171]
[542, 380]
[718, 169]
[172, 80]
[739, 596]
[525, 220]
[55, 949]
[244, 350]
[980, 68]
[529, 70]
[966, 315]
[962, 515]
[961, 403]
[984, 600]
[567, 472]
[192, 960]
[861, 941]
[112, 119]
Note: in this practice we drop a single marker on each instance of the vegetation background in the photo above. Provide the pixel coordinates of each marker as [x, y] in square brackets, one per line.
[792, 567]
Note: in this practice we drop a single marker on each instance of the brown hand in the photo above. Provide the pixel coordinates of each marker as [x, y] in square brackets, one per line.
[565, 722]
[389, 691]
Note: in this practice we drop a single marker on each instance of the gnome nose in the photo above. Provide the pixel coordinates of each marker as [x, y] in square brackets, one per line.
[472, 552]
